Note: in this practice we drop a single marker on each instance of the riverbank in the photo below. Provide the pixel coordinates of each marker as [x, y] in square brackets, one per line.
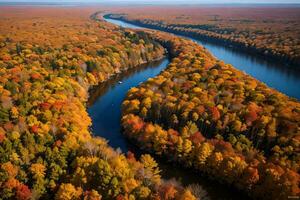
[111, 94]
[284, 79]
[210, 116]
[47, 150]
[108, 96]
[263, 53]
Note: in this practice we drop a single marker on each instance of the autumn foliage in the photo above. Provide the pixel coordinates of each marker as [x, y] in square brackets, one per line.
[209, 116]
[267, 30]
[49, 58]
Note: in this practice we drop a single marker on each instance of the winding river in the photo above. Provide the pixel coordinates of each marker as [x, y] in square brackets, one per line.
[106, 99]
[104, 107]
[284, 78]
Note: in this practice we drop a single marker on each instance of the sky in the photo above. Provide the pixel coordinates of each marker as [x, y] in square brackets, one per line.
[163, 1]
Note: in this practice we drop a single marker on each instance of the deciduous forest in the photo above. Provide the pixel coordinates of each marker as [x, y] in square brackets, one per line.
[48, 61]
[269, 31]
[199, 113]
[207, 115]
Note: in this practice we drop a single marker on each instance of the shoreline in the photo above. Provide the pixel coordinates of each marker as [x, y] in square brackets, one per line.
[289, 62]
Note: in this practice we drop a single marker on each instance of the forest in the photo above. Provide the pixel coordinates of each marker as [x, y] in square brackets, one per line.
[199, 113]
[206, 115]
[267, 31]
[48, 61]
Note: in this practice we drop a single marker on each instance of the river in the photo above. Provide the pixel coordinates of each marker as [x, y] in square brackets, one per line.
[284, 78]
[106, 99]
[104, 107]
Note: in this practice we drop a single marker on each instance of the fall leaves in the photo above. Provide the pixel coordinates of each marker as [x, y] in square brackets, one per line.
[201, 112]
[46, 147]
[269, 31]
[217, 120]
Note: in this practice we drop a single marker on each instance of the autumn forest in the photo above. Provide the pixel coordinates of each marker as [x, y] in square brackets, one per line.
[199, 113]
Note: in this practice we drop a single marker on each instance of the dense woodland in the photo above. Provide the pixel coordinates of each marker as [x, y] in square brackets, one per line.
[49, 58]
[271, 31]
[208, 116]
[199, 112]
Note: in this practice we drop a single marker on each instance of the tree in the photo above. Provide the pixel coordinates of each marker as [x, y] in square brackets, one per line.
[23, 192]
[152, 173]
[202, 153]
[68, 192]
[187, 195]
[38, 170]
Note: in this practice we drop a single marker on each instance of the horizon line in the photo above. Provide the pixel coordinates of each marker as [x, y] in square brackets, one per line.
[148, 3]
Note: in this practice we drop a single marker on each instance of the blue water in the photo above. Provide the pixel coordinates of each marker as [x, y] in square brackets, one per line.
[284, 78]
[122, 24]
[105, 105]
[106, 110]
